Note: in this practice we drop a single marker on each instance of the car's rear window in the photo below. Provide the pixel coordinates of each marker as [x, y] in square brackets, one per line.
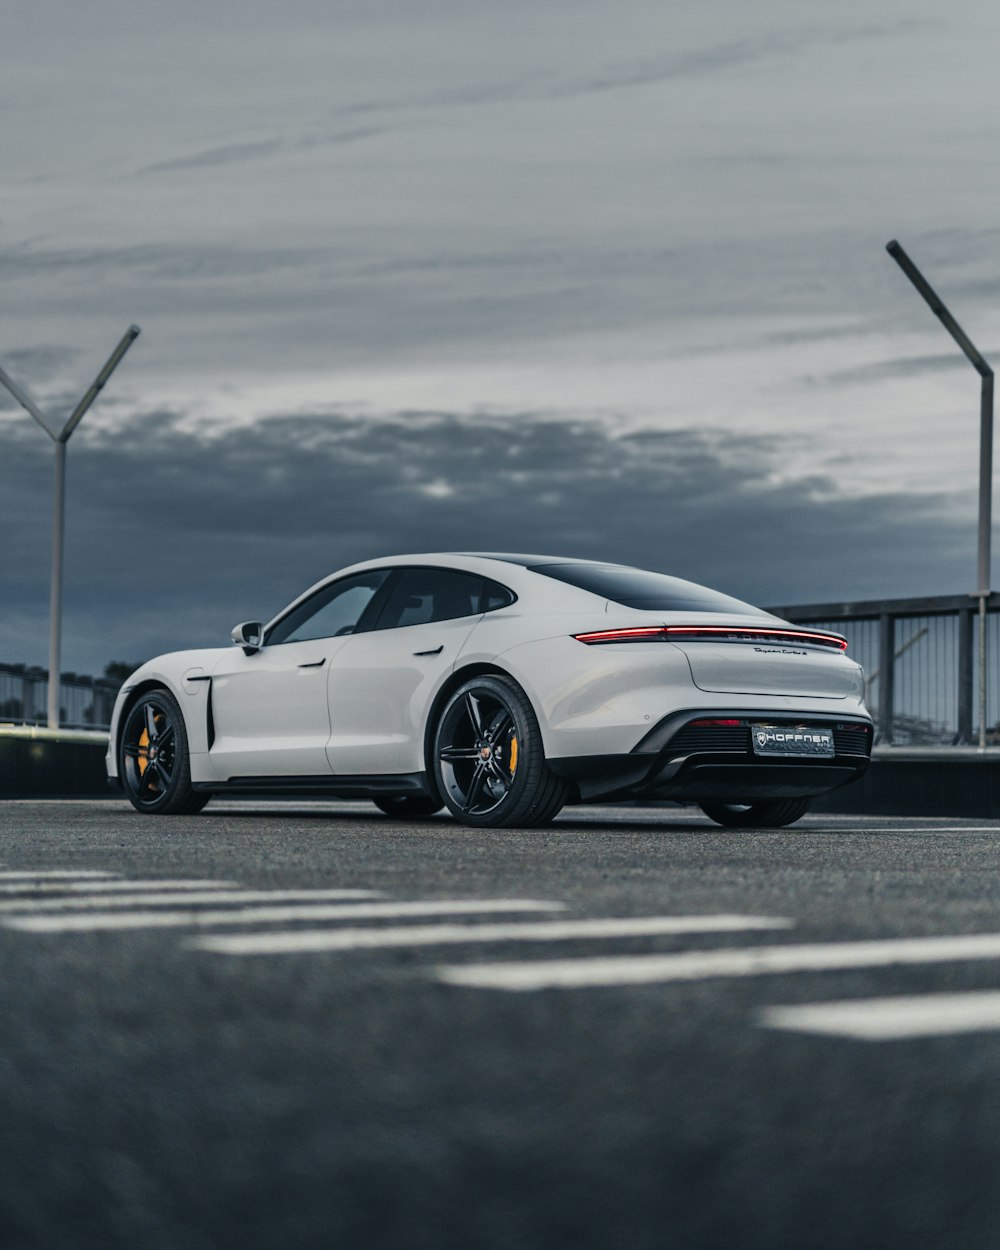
[637, 588]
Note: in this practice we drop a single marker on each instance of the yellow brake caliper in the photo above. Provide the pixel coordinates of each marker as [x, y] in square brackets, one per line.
[513, 756]
[142, 756]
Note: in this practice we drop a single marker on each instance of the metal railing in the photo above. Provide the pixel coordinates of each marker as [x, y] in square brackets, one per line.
[921, 662]
[84, 702]
[920, 657]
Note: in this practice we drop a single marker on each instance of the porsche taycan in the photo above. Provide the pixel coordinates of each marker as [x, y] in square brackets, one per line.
[500, 687]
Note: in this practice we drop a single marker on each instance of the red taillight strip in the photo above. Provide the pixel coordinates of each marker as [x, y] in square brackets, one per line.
[754, 631]
[622, 635]
[738, 633]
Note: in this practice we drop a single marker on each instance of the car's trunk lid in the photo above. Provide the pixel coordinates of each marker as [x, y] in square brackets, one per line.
[764, 667]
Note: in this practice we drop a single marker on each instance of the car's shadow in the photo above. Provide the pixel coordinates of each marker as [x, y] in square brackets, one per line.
[443, 824]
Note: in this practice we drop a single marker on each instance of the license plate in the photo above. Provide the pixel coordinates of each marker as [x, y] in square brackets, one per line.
[792, 740]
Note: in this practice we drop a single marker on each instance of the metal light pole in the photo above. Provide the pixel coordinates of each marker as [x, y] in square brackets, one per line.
[985, 452]
[61, 438]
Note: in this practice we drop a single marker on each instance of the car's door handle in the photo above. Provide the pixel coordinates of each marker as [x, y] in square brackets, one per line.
[314, 663]
[436, 651]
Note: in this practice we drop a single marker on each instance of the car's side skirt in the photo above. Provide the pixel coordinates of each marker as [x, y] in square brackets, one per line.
[332, 787]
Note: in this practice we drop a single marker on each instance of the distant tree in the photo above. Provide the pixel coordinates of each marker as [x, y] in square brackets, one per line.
[118, 670]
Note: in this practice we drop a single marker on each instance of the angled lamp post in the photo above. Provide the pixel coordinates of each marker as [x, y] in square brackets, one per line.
[61, 437]
[978, 362]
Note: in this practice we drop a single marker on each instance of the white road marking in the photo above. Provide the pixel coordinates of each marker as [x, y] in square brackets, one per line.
[444, 934]
[258, 915]
[77, 902]
[883, 829]
[110, 887]
[54, 873]
[892, 1019]
[704, 965]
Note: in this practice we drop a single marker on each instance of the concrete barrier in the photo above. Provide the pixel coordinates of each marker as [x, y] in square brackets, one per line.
[52, 764]
[902, 781]
[922, 781]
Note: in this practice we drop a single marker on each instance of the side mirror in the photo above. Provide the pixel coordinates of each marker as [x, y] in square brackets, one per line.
[249, 636]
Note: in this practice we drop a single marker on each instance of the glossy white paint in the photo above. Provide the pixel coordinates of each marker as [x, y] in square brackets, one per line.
[381, 687]
[362, 706]
[270, 710]
[763, 669]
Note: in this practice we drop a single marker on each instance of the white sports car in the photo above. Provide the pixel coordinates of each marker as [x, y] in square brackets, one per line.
[501, 687]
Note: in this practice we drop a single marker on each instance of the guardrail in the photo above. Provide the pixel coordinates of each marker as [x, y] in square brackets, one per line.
[921, 662]
[920, 656]
[84, 702]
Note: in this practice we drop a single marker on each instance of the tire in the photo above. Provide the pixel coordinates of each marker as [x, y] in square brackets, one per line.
[488, 759]
[772, 813]
[408, 806]
[153, 760]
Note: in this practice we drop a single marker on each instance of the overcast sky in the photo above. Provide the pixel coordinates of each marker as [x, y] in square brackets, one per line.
[585, 278]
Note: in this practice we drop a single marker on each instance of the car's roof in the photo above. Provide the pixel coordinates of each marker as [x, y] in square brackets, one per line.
[516, 559]
[554, 582]
[530, 561]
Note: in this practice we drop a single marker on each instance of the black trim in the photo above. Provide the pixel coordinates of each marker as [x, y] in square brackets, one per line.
[210, 717]
[718, 763]
[333, 787]
[659, 737]
[709, 779]
[721, 777]
[604, 775]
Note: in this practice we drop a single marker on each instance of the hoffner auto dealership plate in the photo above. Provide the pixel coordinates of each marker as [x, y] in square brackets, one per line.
[792, 740]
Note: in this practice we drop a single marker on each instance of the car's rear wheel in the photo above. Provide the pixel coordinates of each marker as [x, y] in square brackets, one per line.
[771, 813]
[408, 806]
[488, 758]
[153, 760]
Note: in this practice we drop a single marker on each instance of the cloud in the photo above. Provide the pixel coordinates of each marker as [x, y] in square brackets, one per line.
[897, 367]
[175, 534]
[707, 60]
[238, 153]
[227, 154]
[170, 262]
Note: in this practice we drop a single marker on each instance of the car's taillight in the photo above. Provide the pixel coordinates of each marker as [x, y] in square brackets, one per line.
[713, 633]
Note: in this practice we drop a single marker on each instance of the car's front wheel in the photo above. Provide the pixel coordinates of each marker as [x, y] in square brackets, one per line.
[771, 813]
[488, 757]
[153, 761]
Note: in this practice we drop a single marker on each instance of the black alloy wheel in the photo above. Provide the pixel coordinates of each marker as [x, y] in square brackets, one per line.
[153, 761]
[488, 758]
[408, 806]
[769, 814]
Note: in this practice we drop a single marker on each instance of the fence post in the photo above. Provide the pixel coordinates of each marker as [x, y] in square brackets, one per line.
[887, 674]
[965, 649]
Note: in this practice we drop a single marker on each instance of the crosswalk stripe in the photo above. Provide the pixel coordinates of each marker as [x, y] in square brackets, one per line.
[892, 1019]
[443, 934]
[704, 965]
[78, 902]
[53, 874]
[108, 887]
[258, 915]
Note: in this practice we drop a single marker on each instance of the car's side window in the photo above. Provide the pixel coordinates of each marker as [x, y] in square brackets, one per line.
[336, 609]
[423, 595]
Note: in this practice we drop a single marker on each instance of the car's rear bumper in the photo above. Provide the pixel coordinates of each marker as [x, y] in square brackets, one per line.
[691, 756]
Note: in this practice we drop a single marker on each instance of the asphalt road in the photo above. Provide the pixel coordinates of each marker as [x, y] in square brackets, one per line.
[278, 1069]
